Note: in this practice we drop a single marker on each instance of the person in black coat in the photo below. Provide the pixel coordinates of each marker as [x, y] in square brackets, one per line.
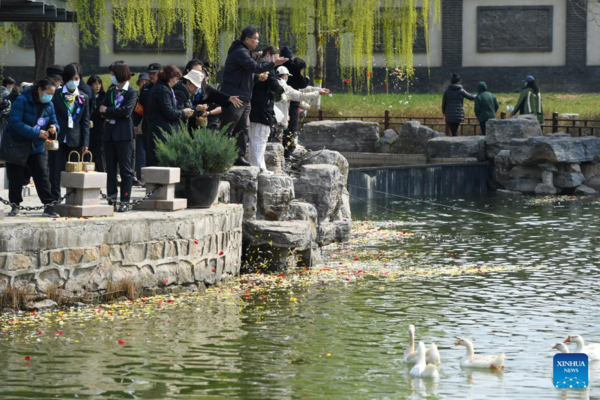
[73, 116]
[452, 104]
[262, 115]
[119, 147]
[85, 88]
[97, 123]
[162, 111]
[297, 81]
[238, 80]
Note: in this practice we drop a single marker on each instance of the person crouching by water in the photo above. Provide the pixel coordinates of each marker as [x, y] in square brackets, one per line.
[486, 106]
[32, 119]
[452, 104]
[530, 100]
[73, 116]
[119, 138]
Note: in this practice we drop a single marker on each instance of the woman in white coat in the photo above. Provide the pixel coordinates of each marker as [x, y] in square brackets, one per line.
[291, 94]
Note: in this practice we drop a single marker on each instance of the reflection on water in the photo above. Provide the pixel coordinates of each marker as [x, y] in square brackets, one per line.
[346, 341]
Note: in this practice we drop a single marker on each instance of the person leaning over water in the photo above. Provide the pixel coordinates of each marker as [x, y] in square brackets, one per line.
[32, 118]
[73, 116]
[486, 106]
[119, 146]
[452, 104]
[530, 100]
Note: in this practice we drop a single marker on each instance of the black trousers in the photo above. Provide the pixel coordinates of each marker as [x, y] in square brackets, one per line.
[57, 160]
[97, 150]
[453, 127]
[121, 154]
[38, 165]
[238, 120]
[289, 136]
[482, 125]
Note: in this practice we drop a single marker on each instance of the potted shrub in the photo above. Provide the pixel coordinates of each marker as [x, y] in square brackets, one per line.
[203, 157]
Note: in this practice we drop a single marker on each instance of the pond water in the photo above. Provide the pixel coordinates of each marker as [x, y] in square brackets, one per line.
[342, 336]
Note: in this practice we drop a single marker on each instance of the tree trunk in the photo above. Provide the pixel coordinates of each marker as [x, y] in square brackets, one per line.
[43, 46]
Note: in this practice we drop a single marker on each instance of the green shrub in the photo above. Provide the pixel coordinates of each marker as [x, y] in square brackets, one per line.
[200, 153]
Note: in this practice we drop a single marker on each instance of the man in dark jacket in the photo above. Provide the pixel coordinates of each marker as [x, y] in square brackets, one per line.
[486, 106]
[141, 107]
[238, 80]
[452, 104]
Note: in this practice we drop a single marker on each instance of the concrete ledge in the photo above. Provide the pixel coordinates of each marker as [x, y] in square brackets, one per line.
[83, 180]
[161, 175]
[67, 210]
[162, 205]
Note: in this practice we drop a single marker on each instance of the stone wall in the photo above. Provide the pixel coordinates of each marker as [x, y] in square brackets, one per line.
[152, 249]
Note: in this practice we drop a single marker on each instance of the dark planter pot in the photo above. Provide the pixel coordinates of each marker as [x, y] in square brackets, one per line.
[201, 191]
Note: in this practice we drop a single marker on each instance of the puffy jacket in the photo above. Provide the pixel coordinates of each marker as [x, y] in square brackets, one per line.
[23, 119]
[452, 103]
[263, 100]
[486, 104]
[238, 74]
[291, 94]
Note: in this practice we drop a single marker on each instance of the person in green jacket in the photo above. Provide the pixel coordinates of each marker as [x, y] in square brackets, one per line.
[486, 106]
[530, 100]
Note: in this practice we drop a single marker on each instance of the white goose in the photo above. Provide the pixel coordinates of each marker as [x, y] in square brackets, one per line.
[411, 356]
[470, 360]
[421, 369]
[592, 350]
[561, 347]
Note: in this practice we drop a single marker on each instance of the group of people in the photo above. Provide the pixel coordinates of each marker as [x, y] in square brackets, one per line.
[259, 99]
[486, 104]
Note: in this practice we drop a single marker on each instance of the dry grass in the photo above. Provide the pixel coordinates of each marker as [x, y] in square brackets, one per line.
[14, 298]
[124, 287]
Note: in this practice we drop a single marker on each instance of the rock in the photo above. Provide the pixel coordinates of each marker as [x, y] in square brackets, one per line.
[328, 157]
[305, 212]
[572, 168]
[568, 180]
[594, 183]
[274, 157]
[554, 149]
[521, 171]
[43, 305]
[507, 193]
[583, 190]
[525, 186]
[286, 234]
[224, 195]
[548, 178]
[590, 170]
[548, 167]
[342, 136]
[321, 185]
[275, 193]
[244, 186]
[568, 116]
[310, 257]
[386, 142]
[543, 189]
[456, 147]
[501, 131]
[502, 167]
[413, 138]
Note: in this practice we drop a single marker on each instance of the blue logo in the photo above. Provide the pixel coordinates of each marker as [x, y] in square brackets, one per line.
[571, 371]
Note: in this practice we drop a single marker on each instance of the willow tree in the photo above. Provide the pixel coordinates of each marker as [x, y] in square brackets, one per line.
[354, 25]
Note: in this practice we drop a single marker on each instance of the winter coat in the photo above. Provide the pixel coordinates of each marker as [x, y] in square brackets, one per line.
[97, 132]
[122, 128]
[141, 107]
[214, 98]
[23, 119]
[530, 103]
[452, 103]
[238, 74]
[79, 135]
[183, 98]
[486, 104]
[162, 112]
[263, 100]
[291, 94]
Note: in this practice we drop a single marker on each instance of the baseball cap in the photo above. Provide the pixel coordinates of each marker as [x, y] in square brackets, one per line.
[154, 67]
[283, 71]
[529, 78]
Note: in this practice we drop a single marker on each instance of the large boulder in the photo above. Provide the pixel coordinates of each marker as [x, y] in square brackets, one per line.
[274, 159]
[328, 157]
[556, 148]
[568, 180]
[525, 172]
[413, 138]
[456, 147]
[343, 136]
[301, 211]
[243, 182]
[502, 167]
[323, 186]
[386, 142]
[275, 193]
[524, 185]
[501, 131]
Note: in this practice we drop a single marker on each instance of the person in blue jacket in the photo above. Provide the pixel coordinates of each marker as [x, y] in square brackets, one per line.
[32, 118]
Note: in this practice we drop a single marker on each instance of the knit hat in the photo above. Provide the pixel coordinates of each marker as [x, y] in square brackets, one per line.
[286, 52]
[54, 71]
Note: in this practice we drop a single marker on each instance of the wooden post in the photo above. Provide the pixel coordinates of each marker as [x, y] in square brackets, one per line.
[503, 115]
[554, 122]
[320, 115]
[386, 120]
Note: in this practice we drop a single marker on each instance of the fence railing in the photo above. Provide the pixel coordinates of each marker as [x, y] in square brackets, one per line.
[470, 126]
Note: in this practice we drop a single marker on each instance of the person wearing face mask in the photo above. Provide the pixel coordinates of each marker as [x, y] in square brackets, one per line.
[119, 138]
[32, 119]
[162, 111]
[262, 114]
[73, 115]
[291, 94]
[97, 123]
[85, 88]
